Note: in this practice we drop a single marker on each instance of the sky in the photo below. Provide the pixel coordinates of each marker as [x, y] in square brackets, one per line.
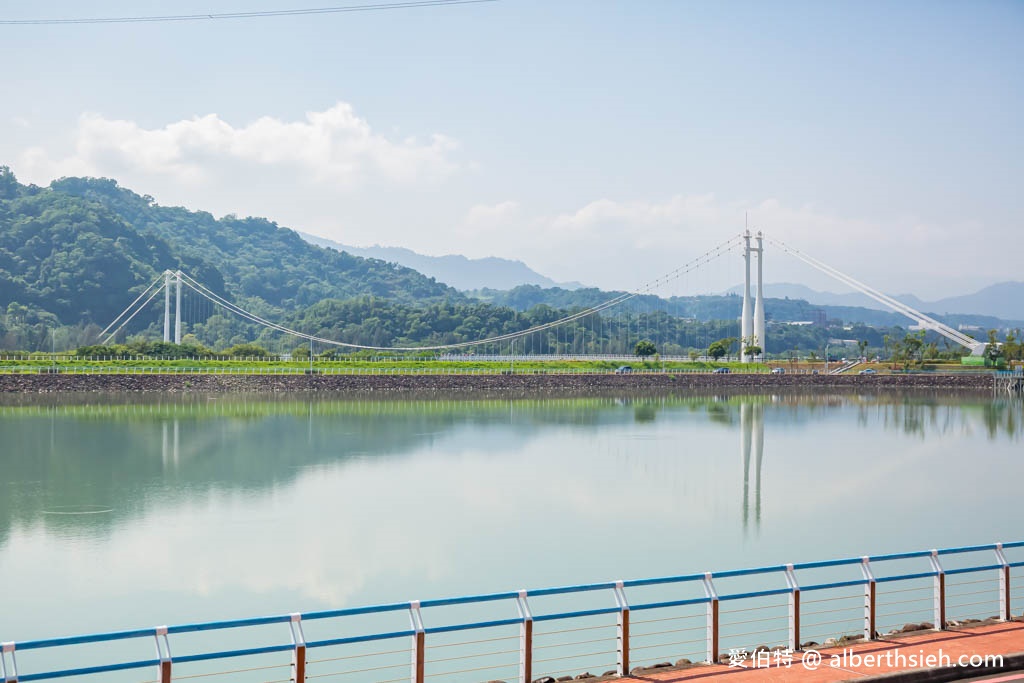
[605, 142]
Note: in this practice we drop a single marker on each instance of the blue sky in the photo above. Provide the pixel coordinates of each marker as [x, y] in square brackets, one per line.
[597, 141]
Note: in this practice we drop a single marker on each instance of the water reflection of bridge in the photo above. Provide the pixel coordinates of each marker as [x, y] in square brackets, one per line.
[170, 453]
[752, 439]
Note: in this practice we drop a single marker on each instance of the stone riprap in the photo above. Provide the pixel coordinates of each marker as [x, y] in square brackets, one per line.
[68, 383]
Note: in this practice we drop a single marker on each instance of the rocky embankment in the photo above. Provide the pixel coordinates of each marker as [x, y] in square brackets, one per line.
[539, 383]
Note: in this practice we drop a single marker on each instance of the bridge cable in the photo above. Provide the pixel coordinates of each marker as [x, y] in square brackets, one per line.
[701, 260]
[898, 306]
[129, 318]
[114, 322]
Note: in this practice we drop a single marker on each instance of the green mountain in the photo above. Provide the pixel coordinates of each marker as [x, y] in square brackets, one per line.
[723, 307]
[255, 256]
[77, 252]
[74, 254]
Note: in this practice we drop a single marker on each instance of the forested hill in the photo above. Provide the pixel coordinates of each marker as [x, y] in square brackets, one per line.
[80, 248]
[718, 307]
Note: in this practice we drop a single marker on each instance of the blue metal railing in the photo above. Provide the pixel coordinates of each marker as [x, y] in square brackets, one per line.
[785, 618]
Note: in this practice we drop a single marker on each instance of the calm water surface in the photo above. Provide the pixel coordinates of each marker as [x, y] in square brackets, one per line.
[117, 515]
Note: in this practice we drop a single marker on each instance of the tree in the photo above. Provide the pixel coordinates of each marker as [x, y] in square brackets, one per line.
[8, 183]
[718, 349]
[645, 348]
[1012, 346]
[724, 345]
[898, 352]
[863, 346]
[246, 350]
[752, 350]
[993, 350]
[912, 344]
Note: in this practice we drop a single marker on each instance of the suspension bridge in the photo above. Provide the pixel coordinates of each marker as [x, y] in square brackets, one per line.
[613, 324]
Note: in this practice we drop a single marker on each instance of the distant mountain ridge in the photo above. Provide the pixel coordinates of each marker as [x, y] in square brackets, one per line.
[456, 271]
[1004, 300]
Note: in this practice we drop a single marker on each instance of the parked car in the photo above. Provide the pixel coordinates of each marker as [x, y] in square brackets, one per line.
[868, 371]
[623, 370]
[721, 371]
[778, 371]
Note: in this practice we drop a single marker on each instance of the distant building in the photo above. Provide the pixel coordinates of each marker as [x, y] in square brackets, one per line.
[818, 317]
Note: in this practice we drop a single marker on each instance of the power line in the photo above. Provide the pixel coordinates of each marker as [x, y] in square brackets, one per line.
[372, 7]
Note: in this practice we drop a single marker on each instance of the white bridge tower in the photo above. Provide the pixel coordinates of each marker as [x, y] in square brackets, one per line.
[747, 319]
[172, 278]
[759, 336]
[752, 332]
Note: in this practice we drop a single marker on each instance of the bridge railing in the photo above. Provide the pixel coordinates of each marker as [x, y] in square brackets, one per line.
[608, 628]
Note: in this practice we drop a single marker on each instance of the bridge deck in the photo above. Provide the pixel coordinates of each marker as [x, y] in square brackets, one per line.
[1002, 639]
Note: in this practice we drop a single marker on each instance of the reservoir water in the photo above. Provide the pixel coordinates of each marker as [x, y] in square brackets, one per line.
[127, 512]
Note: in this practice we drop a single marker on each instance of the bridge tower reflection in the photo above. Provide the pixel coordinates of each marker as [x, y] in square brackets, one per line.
[752, 439]
[170, 451]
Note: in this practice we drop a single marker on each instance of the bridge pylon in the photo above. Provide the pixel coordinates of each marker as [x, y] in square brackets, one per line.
[747, 319]
[752, 331]
[759, 332]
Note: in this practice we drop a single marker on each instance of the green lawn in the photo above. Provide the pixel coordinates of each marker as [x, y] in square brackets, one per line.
[70, 363]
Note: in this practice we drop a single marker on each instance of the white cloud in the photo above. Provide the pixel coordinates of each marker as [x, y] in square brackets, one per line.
[483, 221]
[304, 173]
[643, 239]
[490, 216]
[334, 147]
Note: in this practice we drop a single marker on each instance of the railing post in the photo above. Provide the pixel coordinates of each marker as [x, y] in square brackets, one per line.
[712, 620]
[163, 654]
[525, 639]
[1004, 585]
[622, 630]
[939, 592]
[12, 676]
[794, 609]
[870, 599]
[299, 653]
[419, 643]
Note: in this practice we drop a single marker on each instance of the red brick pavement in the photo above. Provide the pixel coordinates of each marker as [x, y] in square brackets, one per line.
[997, 639]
